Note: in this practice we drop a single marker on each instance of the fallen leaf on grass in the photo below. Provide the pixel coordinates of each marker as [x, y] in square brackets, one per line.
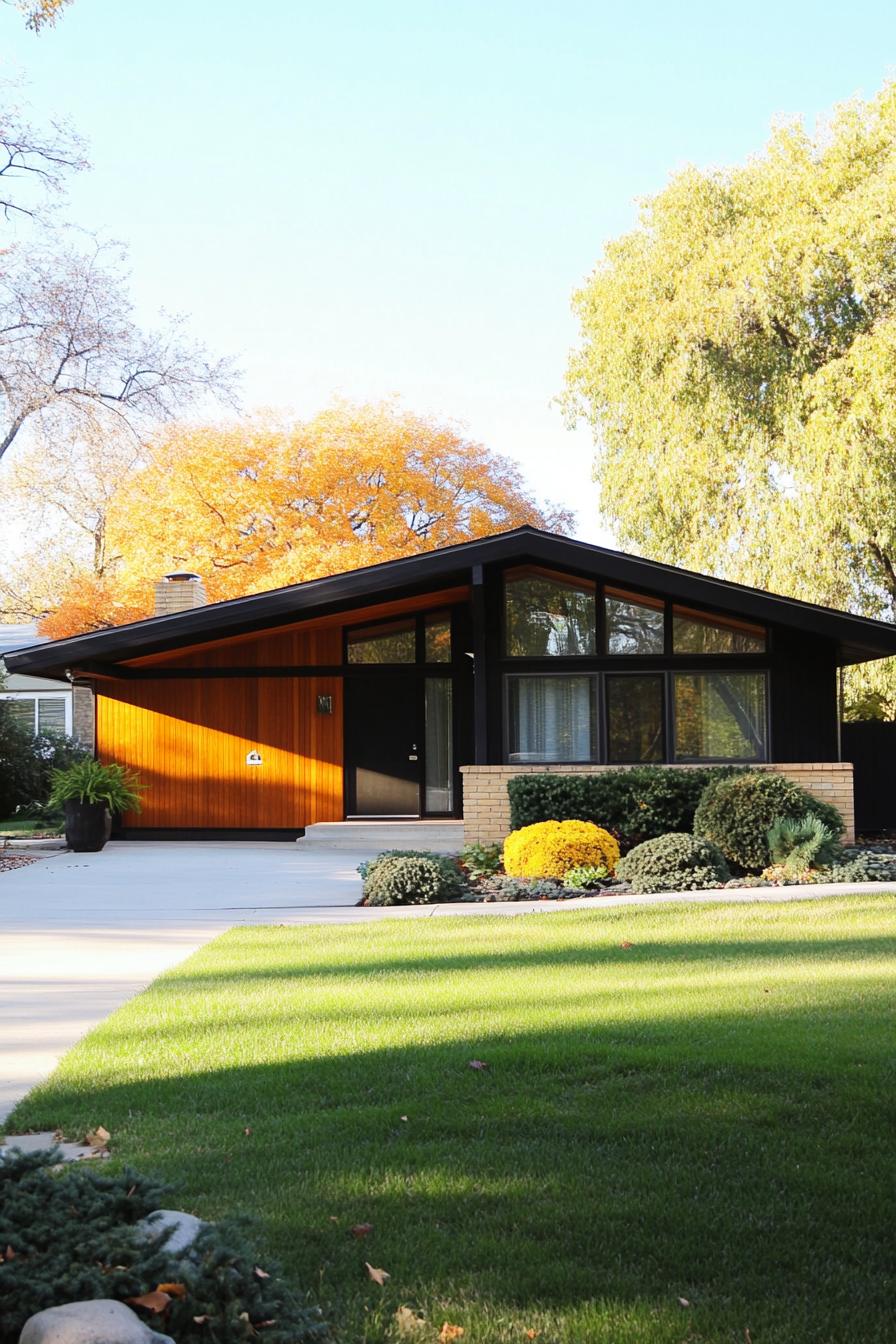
[333, 1218]
[404, 1118]
[361, 1230]
[683, 1302]
[155, 1301]
[97, 1138]
[408, 1322]
[449, 1332]
[377, 1275]
[477, 1064]
[531, 1334]
[201, 1320]
[172, 1289]
[260, 1273]
[626, 944]
[247, 1130]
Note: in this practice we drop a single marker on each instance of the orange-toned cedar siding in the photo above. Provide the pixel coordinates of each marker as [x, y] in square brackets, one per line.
[188, 738]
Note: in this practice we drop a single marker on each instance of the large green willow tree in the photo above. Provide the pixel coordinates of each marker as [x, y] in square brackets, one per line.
[738, 367]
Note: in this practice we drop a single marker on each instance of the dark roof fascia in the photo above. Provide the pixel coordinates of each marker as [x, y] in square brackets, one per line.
[858, 638]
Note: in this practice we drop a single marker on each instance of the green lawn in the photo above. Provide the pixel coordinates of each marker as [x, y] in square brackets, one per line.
[23, 827]
[707, 1114]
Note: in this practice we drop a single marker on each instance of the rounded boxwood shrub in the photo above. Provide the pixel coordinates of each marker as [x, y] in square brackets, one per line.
[551, 848]
[674, 862]
[412, 879]
[737, 814]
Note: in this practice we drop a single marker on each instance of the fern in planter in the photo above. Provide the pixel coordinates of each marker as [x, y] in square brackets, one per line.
[88, 790]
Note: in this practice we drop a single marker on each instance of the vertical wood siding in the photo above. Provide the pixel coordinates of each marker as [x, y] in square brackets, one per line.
[188, 740]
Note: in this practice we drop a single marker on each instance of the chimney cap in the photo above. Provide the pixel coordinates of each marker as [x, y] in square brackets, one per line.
[182, 576]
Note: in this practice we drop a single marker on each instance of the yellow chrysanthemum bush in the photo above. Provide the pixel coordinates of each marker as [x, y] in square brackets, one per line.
[551, 848]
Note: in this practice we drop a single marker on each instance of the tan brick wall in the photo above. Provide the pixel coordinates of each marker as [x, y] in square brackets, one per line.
[487, 806]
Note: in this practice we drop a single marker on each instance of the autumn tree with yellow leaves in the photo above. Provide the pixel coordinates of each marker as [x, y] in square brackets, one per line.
[257, 505]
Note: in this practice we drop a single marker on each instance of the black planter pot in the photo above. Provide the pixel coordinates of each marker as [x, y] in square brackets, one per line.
[87, 826]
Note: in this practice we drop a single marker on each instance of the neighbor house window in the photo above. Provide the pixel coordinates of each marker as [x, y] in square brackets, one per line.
[635, 624]
[551, 718]
[635, 718]
[437, 638]
[720, 716]
[546, 614]
[392, 642]
[699, 632]
[41, 713]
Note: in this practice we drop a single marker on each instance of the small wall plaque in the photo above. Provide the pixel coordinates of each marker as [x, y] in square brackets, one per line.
[325, 704]
[253, 758]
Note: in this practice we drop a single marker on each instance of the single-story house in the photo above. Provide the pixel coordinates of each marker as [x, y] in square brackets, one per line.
[43, 704]
[414, 688]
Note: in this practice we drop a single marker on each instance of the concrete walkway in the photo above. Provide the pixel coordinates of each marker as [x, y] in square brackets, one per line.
[82, 933]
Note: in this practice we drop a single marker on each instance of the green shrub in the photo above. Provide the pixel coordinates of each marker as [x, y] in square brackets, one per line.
[801, 843]
[635, 804]
[367, 866]
[862, 866]
[89, 781]
[27, 764]
[481, 860]
[674, 862]
[422, 879]
[73, 1238]
[738, 813]
[586, 876]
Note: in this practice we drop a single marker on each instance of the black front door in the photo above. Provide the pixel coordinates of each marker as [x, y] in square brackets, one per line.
[383, 750]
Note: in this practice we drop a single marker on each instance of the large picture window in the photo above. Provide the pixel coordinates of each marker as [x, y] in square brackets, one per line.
[548, 615]
[635, 718]
[551, 718]
[720, 716]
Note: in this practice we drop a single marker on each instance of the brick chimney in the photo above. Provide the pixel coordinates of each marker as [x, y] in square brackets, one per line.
[179, 592]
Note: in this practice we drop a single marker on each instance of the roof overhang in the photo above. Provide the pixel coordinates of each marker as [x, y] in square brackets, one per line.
[857, 638]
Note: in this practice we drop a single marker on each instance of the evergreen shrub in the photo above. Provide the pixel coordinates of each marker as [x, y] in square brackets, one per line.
[73, 1238]
[405, 879]
[551, 848]
[635, 804]
[738, 813]
[674, 862]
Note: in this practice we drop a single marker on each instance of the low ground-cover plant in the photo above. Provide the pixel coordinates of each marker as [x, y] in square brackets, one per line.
[586, 876]
[551, 848]
[500, 887]
[72, 1236]
[738, 813]
[412, 879]
[674, 862]
[636, 803]
[480, 861]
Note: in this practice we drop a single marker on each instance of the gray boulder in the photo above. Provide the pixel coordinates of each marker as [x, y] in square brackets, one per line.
[185, 1228]
[99, 1322]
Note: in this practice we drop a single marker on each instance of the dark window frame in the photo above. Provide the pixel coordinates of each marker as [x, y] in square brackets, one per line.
[600, 707]
[417, 619]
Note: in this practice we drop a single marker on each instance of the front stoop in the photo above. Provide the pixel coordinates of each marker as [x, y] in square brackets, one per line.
[371, 837]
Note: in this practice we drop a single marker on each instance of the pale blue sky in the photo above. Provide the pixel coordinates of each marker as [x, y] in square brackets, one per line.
[399, 196]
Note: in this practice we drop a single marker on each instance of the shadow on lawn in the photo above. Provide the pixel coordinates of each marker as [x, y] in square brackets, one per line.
[760, 1194]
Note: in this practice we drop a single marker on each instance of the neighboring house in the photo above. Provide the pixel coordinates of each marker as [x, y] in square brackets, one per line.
[44, 704]
[374, 693]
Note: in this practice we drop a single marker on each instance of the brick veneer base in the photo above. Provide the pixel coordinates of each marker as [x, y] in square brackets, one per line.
[487, 806]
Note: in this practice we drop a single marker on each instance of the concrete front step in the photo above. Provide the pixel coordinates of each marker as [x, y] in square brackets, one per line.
[371, 837]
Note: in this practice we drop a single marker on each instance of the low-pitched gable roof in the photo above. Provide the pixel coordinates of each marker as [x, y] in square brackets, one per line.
[858, 638]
